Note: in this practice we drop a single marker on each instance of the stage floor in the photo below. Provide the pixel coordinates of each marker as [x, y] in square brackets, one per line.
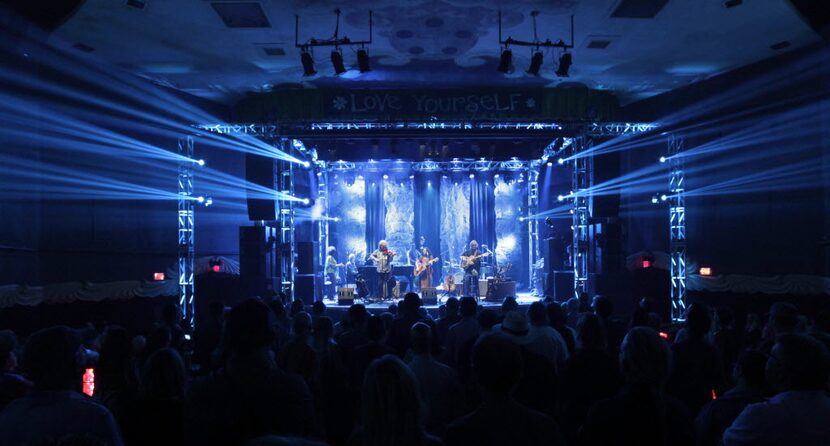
[523, 298]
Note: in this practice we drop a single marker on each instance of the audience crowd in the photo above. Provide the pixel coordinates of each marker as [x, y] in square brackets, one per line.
[280, 373]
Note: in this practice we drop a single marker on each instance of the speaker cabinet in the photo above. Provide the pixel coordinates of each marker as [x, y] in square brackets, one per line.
[307, 258]
[259, 170]
[252, 252]
[308, 288]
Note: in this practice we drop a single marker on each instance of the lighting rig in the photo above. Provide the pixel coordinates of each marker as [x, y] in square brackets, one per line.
[307, 58]
[537, 59]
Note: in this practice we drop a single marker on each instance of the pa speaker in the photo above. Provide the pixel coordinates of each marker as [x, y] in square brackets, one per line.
[259, 170]
[308, 288]
[252, 253]
[307, 257]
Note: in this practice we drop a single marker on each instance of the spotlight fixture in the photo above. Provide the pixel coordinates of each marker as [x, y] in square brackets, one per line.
[536, 63]
[560, 161]
[363, 61]
[308, 63]
[385, 176]
[506, 61]
[662, 159]
[560, 198]
[550, 164]
[337, 62]
[472, 175]
[654, 199]
[306, 201]
[705, 271]
[664, 197]
[200, 162]
[565, 62]
[336, 41]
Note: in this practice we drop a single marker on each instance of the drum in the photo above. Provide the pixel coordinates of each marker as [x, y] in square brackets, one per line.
[345, 296]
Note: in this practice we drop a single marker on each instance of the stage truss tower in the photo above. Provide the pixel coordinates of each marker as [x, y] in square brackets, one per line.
[186, 253]
[535, 281]
[285, 184]
[583, 171]
[677, 229]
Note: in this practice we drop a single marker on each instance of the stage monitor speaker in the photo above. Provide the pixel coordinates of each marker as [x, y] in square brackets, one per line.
[345, 296]
[259, 170]
[563, 285]
[307, 258]
[308, 288]
[429, 296]
[252, 251]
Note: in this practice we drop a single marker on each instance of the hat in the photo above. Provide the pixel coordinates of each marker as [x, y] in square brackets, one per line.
[515, 323]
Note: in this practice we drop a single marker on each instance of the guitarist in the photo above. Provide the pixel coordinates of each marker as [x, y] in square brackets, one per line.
[423, 269]
[332, 276]
[471, 263]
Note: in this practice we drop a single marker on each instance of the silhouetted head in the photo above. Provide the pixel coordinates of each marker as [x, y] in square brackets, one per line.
[358, 315]
[468, 306]
[537, 314]
[783, 317]
[163, 376]
[452, 305]
[296, 307]
[411, 303]
[497, 364]
[248, 327]
[487, 318]
[509, 304]
[391, 403]
[603, 307]
[375, 328]
[421, 336]
[318, 308]
[698, 320]
[591, 332]
[52, 359]
[323, 328]
[645, 358]
[750, 368]
[301, 324]
[797, 362]
[556, 315]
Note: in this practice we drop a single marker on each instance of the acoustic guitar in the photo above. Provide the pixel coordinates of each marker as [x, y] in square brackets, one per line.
[467, 262]
[420, 267]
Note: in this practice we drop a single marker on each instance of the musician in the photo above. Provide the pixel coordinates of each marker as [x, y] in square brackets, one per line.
[382, 258]
[413, 255]
[423, 269]
[351, 269]
[331, 271]
[471, 263]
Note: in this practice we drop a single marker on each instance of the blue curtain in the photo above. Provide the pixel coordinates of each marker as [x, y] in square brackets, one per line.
[375, 214]
[428, 216]
[483, 210]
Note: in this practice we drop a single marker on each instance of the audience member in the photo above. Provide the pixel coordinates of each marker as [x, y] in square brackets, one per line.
[318, 309]
[373, 348]
[507, 305]
[572, 309]
[450, 318]
[208, 335]
[614, 329]
[115, 376]
[558, 321]
[726, 339]
[798, 369]
[249, 396]
[540, 328]
[500, 420]
[391, 407]
[642, 413]
[697, 368]
[55, 410]
[12, 384]
[750, 387]
[438, 384]
[462, 331]
[397, 338]
[297, 356]
[155, 415]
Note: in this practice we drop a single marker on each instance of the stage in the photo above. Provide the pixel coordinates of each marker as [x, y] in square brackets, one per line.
[524, 299]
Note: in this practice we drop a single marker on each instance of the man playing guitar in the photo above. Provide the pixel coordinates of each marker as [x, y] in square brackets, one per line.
[471, 264]
[382, 258]
[423, 268]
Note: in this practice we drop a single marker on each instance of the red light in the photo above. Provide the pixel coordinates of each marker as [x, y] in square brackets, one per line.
[714, 395]
[216, 268]
[88, 382]
[646, 263]
[705, 271]
[158, 276]
[664, 335]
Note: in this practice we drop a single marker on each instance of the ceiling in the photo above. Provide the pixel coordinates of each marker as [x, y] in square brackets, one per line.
[189, 45]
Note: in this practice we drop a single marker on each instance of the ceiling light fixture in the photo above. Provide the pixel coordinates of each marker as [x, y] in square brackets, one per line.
[308, 63]
[536, 63]
[363, 60]
[538, 58]
[506, 61]
[337, 62]
[336, 41]
[565, 62]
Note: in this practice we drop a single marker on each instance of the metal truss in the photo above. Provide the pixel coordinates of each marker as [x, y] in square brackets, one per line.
[284, 175]
[323, 203]
[535, 283]
[186, 254]
[619, 128]
[677, 229]
[581, 180]
[467, 165]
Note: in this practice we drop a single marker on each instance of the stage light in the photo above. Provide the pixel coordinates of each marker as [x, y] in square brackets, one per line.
[306, 164]
[308, 64]
[496, 176]
[564, 65]
[646, 263]
[705, 271]
[215, 265]
[654, 199]
[536, 63]
[158, 276]
[664, 197]
[560, 161]
[319, 174]
[306, 201]
[200, 199]
[360, 177]
[505, 61]
[550, 164]
[429, 183]
[208, 201]
[337, 62]
[560, 198]
[662, 159]
[200, 162]
[521, 219]
[472, 175]
[664, 335]
[363, 61]
[385, 176]
[336, 219]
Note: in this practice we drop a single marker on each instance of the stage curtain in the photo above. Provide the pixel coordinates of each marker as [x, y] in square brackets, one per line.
[483, 210]
[428, 216]
[375, 214]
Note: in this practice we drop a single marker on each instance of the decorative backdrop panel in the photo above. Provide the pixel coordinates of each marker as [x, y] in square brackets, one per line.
[348, 203]
[510, 202]
[400, 216]
[455, 218]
